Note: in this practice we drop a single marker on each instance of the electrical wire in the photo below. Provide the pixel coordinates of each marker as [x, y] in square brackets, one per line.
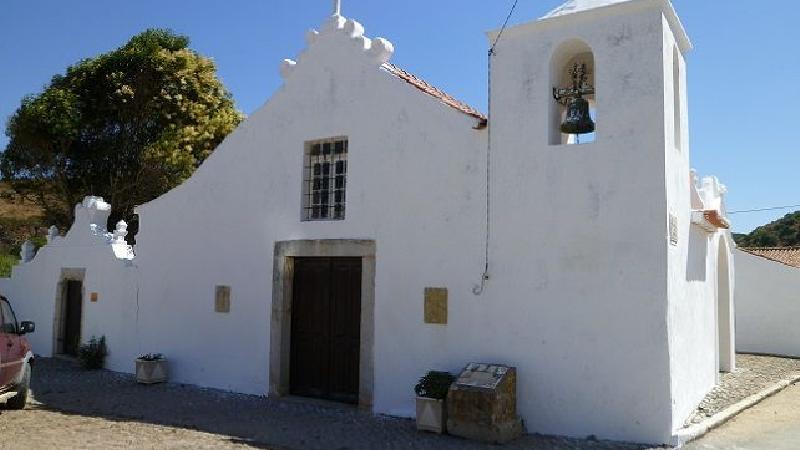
[771, 208]
[478, 289]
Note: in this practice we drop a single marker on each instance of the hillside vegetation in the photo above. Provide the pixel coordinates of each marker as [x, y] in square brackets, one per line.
[20, 219]
[784, 232]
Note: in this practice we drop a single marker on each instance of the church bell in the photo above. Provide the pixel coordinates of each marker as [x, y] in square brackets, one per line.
[578, 120]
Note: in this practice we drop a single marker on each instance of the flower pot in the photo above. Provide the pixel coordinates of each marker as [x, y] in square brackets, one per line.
[149, 372]
[431, 415]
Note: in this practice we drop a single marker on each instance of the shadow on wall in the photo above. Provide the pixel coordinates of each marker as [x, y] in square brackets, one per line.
[698, 254]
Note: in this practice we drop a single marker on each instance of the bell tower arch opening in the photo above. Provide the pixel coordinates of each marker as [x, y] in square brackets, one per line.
[572, 75]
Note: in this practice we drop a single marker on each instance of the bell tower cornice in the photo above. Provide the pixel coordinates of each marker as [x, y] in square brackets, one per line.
[576, 10]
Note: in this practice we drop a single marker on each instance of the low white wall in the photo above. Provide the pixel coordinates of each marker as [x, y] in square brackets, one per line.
[767, 306]
[103, 265]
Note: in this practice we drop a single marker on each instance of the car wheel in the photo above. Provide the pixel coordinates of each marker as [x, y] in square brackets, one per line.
[19, 400]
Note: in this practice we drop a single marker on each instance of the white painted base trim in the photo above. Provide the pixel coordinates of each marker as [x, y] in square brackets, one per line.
[686, 435]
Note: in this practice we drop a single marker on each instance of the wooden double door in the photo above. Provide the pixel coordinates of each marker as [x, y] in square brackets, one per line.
[326, 328]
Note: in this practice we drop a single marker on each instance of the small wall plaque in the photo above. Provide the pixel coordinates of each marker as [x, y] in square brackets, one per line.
[673, 229]
[436, 305]
[93, 297]
[222, 299]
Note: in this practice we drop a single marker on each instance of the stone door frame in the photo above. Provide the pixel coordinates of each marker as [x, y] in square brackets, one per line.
[280, 323]
[67, 274]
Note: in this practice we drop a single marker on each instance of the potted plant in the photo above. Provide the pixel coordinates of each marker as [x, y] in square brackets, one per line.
[92, 355]
[151, 368]
[431, 394]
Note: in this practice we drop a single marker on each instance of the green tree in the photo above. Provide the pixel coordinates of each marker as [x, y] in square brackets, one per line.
[127, 125]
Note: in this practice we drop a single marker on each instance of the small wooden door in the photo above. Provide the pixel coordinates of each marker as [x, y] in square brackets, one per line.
[72, 317]
[326, 328]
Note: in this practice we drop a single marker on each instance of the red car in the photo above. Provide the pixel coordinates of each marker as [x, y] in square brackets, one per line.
[16, 358]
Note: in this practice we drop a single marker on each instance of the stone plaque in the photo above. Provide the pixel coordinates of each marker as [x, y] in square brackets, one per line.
[436, 305]
[673, 229]
[484, 376]
[222, 299]
[482, 404]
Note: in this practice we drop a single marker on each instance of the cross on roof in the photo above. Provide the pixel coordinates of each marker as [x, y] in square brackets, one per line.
[337, 7]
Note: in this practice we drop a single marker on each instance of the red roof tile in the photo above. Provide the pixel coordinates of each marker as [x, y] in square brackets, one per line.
[715, 218]
[434, 92]
[786, 255]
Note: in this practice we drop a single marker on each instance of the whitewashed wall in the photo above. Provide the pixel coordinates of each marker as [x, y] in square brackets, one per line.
[694, 262]
[106, 268]
[580, 269]
[596, 215]
[767, 306]
[415, 186]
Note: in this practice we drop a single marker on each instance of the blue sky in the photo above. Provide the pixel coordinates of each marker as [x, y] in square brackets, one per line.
[743, 73]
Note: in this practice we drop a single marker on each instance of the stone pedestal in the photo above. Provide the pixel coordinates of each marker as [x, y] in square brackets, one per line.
[482, 404]
[431, 415]
[151, 372]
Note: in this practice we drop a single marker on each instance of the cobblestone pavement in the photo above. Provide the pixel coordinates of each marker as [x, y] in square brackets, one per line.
[752, 375]
[74, 409]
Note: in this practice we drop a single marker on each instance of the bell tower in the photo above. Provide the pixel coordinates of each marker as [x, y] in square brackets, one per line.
[587, 172]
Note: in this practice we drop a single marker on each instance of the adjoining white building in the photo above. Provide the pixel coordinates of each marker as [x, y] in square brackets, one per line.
[768, 300]
[296, 260]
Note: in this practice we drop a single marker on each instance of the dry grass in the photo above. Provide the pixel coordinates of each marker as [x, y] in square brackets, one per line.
[20, 217]
[17, 207]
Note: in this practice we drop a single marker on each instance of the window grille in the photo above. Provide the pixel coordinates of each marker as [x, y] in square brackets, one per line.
[325, 179]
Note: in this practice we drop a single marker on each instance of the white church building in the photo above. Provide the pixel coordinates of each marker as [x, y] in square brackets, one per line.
[363, 227]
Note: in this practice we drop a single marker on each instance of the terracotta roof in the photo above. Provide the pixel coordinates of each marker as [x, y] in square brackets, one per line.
[710, 219]
[786, 255]
[436, 93]
[715, 218]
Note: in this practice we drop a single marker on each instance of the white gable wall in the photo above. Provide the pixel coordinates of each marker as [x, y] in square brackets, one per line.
[415, 171]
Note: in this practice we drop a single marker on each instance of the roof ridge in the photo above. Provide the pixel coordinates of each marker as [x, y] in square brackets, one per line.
[789, 256]
[434, 92]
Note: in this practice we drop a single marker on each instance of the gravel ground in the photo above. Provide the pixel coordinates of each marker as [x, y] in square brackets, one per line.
[74, 409]
[752, 375]
[38, 429]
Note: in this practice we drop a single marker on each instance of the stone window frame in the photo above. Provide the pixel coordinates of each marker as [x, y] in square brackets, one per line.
[332, 198]
[281, 316]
